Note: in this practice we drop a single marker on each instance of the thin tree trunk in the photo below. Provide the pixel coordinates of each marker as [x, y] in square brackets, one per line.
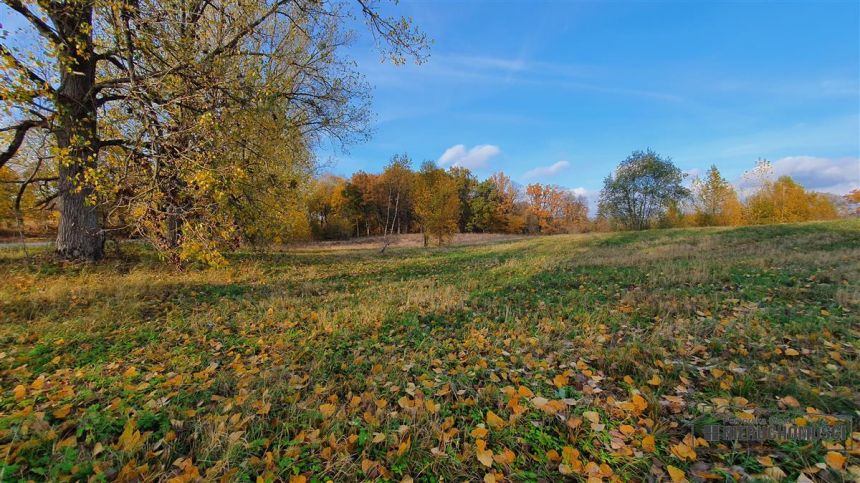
[79, 235]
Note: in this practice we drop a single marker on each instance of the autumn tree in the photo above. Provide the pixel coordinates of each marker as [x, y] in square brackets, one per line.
[146, 80]
[437, 203]
[715, 201]
[327, 208]
[394, 195]
[786, 201]
[466, 185]
[360, 202]
[641, 189]
[553, 209]
[508, 209]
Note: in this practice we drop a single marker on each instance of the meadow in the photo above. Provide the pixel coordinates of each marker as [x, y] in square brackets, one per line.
[568, 357]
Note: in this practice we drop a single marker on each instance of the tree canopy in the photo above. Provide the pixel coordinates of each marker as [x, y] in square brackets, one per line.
[641, 190]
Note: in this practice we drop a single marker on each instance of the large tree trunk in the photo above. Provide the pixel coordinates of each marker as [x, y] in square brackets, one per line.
[80, 235]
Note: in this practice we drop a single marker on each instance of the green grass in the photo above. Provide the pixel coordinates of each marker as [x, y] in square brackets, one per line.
[221, 373]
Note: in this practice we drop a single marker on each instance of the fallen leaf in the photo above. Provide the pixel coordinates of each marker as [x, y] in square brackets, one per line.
[495, 421]
[835, 460]
[327, 409]
[676, 474]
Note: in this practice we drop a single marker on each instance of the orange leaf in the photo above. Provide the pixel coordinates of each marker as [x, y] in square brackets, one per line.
[639, 402]
[835, 460]
[62, 412]
[327, 409]
[494, 420]
[648, 444]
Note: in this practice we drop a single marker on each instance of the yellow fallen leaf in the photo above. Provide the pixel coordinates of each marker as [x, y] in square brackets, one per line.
[676, 474]
[404, 446]
[684, 452]
[327, 409]
[69, 442]
[569, 454]
[494, 420]
[592, 416]
[20, 392]
[432, 407]
[791, 352]
[484, 455]
[62, 412]
[264, 408]
[655, 380]
[39, 383]
[130, 439]
[560, 380]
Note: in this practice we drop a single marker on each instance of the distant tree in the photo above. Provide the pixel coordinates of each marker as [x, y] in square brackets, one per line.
[394, 195]
[853, 199]
[360, 202]
[484, 208]
[327, 208]
[509, 209]
[552, 209]
[715, 201]
[641, 190]
[786, 201]
[466, 186]
[437, 203]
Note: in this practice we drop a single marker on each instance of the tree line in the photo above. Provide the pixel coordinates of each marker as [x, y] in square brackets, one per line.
[644, 191]
[438, 203]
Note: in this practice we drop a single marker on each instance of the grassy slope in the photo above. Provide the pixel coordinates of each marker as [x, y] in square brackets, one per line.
[124, 368]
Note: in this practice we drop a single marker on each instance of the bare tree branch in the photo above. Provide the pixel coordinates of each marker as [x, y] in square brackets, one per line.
[20, 132]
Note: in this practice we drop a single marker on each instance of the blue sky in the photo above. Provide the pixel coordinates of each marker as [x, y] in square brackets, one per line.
[561, 92]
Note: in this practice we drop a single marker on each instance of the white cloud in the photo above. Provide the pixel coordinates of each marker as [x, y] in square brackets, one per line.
[542, 171]
[837, 176]
[476, 157]
[580, 191]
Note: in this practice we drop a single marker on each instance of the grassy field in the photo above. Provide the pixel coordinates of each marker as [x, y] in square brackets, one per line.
[543, 359]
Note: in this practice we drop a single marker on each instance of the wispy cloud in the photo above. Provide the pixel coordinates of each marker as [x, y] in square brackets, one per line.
[543, 171]
[837, 176]
[476, 157]
[580, 191]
